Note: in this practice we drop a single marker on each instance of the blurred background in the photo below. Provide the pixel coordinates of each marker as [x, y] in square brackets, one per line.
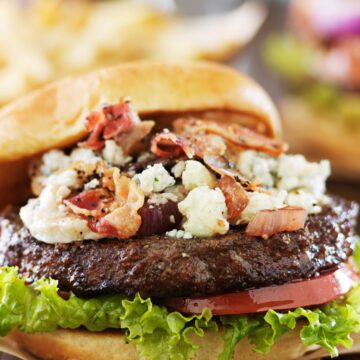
[305, 53]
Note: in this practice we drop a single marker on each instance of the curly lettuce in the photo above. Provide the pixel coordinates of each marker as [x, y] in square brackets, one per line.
[157, 333]
[327, 326]
[160, 334]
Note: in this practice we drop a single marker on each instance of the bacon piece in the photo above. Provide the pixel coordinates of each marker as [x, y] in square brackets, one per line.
[223, 167]
[170, 145]
[130, 141]
[270, 222]
[117, 122]
[102, 226]
[208, 144]
[89, 200]
[113, 209]
[120, 118]
[95, 124]
[234, 133]
[235, 196]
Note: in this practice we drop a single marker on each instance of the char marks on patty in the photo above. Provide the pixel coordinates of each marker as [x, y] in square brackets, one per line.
[161, 266]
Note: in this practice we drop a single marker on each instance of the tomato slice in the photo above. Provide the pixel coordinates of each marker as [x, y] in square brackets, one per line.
[316, 291]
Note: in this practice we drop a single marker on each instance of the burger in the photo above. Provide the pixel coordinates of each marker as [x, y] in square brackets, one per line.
[167, 221]
[318, 61]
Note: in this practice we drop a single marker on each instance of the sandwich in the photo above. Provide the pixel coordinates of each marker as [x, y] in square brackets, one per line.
[318, 61]
[167, 221]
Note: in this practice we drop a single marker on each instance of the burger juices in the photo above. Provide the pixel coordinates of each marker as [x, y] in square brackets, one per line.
[168, 232]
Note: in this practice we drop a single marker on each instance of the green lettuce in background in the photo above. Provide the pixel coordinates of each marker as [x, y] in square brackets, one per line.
[293, 61]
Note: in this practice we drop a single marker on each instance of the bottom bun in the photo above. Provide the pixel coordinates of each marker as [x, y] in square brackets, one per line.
[82, 344]
[321, 136]
[108, 345]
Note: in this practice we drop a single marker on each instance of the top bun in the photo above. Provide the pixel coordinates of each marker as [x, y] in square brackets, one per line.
[53, 117]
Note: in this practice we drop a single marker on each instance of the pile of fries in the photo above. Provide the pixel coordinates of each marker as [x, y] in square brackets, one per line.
[41, 40]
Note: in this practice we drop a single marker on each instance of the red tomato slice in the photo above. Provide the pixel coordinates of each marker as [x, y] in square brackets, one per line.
[316, 291]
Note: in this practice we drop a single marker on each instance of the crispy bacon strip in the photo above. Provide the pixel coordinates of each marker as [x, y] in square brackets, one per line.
[95, 125]
[112, 209]
[120, 118]
[130, 141]
[118, 122]
[90, 202]
[235, 196]
[170, 145]
[221, 166]
[234, 133]
[270, 222]
[209, 148]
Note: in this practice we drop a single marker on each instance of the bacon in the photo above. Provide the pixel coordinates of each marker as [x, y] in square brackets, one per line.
[236, 134]
[120, 118]
[235, 196]
[95, 125]
[270, 222]
[220, 165]
[89, 200]
[130, 141]
[118, 122]
[170, 145]
[208, 144]
[112, 209]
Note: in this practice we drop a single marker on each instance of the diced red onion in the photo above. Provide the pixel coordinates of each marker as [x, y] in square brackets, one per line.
[157, 219]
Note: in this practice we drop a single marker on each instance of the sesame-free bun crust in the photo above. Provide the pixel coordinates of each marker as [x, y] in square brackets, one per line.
[54, 117]
[84, 345]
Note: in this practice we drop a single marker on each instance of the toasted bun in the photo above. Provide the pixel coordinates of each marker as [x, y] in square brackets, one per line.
[54, 116]
[319, 136]
[84, 345]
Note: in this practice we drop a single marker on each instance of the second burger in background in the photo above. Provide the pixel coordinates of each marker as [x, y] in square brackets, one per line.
[320, 60]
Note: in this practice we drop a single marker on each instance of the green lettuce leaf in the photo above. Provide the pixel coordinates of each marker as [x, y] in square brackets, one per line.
[158, 334]
[290, 58]
[327, 326]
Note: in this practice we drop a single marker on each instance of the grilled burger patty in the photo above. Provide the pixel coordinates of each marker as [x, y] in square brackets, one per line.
[161, 266]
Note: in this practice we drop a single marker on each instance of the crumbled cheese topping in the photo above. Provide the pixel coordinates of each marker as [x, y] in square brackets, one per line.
[301, 183]
[155, 179]
[258, 166]
[114, 154]
[56, 160]
[178, 169]
[262, 201]
[205, 211]
[50, 221]
[196, 174]
[295, 173]
[162, 198]
[86, 156]
[179, 234]
[93, 184]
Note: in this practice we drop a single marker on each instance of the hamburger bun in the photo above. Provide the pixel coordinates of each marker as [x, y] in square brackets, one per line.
[83, 345]
[319, 136]
[54, 117]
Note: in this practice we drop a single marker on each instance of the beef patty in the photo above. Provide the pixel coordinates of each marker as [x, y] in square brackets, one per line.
[161, 266]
